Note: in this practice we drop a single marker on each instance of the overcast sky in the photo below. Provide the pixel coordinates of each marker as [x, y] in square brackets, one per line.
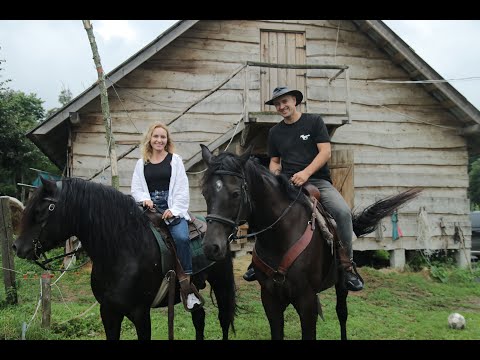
[44, 56]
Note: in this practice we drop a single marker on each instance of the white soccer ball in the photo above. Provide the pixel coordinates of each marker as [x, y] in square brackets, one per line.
[456, 321]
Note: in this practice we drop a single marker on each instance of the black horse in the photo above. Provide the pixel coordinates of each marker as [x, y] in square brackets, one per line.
[126, 258]
[237, 190]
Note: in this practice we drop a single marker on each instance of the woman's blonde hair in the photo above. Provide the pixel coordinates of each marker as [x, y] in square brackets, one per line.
[147, 150]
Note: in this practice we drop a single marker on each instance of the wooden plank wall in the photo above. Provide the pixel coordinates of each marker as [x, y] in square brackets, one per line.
[400, 135]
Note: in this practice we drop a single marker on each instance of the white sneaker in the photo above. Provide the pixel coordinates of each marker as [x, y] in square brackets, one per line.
[192, 300]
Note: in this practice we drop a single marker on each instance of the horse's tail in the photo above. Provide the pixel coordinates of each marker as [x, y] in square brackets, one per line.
[367, 221]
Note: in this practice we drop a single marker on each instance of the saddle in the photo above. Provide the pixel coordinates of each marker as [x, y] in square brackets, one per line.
[196, 226]
[197, 229]
[323, 219]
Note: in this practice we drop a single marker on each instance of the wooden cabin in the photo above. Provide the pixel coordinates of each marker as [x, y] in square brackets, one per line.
[391, 128]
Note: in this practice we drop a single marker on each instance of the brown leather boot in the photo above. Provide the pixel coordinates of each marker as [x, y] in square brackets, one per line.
[353, 281]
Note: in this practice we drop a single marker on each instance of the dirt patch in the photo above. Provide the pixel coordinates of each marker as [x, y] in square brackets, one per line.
[240, 265]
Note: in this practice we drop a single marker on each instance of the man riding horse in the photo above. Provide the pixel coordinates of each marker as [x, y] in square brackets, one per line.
[299, 147]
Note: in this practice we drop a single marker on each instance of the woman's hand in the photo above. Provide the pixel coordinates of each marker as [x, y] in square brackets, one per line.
[148, 204]
[167, 214]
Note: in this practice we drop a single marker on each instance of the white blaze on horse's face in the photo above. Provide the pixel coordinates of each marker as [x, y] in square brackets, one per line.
[218, 185]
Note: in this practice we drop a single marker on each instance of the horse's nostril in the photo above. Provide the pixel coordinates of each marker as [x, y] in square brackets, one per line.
[14, 248]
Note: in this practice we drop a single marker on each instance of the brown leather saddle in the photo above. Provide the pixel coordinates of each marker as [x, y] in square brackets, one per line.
[197, 228]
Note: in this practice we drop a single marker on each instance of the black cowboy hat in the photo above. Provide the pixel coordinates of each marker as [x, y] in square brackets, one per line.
[284, 90]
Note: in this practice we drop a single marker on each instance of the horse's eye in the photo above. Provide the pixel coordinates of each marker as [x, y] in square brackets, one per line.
[236, 194]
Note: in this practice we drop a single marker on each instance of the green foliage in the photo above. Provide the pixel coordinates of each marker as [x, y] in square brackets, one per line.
[442, 267]
[79, 328]
[381, 255]
[474, 187]
[19, 113]
[2, 82]
[439, 272]
[64, 98]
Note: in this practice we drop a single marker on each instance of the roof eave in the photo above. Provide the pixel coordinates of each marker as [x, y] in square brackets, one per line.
[113, 76]
[460, 107]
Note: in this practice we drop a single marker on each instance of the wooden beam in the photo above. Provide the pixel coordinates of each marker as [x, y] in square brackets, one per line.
[470, 130]
[208, 94]
[294, 66]
[6, 240]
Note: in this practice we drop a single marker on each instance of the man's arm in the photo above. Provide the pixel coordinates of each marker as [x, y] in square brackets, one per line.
[275, 166]
[324, 154]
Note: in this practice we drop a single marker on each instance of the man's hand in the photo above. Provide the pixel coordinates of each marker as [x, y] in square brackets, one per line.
[300, 178]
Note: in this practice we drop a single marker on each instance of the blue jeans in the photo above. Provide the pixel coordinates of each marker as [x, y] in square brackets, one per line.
[179, 231]
[336, 205]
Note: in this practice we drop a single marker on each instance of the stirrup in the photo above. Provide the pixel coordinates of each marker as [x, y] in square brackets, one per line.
[187, 288]
[354, 268]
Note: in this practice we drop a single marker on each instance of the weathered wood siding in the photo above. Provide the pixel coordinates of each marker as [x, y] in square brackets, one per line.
[400, 135]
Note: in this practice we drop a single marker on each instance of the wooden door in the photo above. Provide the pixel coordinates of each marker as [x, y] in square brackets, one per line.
[341, 169]
[280, 47]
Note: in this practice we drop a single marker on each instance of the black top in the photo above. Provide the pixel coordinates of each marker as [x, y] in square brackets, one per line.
[158, 175]
[296, 144]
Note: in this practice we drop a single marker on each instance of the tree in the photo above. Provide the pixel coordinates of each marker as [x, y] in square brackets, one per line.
[19, 113]
[2, 82]
[64, 98]
[474, 188]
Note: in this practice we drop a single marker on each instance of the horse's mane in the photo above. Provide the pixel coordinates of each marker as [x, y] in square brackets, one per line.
[106, 220]
[253, 172]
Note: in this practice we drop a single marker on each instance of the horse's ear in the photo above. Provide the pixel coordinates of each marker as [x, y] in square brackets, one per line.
[48, 185]
[206, 154]
[246, 155]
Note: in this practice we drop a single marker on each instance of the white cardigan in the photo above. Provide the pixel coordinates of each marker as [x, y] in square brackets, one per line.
[178, 191]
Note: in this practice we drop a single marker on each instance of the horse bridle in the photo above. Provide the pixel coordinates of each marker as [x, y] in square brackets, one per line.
[235, 224]
[37, 245]
[245, 199]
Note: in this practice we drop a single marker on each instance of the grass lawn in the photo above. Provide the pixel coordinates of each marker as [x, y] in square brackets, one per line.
[393, 306]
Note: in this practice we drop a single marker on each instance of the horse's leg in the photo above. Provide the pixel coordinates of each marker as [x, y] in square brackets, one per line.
[307, 309]
[341, 307]
[198, 319]
[112, 321]
[140, 317]
[226, 305]
[274, 309]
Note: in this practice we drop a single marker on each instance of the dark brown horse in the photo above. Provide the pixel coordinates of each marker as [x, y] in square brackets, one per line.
[126, 260]
[237, 190]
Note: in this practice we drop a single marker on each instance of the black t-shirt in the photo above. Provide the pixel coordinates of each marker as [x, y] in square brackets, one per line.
[158, 175]
[296, 144]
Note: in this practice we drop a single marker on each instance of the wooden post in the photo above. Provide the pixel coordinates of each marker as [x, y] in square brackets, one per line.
[46, 300]
[107, 119]
[7, 253]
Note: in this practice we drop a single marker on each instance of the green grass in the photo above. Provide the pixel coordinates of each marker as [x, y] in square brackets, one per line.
[394, 305]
